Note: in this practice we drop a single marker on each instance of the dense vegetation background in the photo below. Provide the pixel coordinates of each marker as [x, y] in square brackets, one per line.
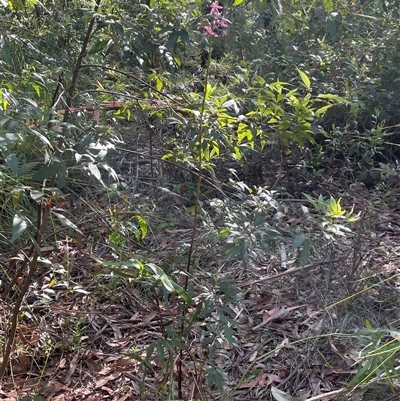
[198, 200]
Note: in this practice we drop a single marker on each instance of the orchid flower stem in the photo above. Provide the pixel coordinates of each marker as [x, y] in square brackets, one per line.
[196, 213]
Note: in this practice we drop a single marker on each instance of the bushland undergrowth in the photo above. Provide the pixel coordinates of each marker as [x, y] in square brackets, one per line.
[152, 159]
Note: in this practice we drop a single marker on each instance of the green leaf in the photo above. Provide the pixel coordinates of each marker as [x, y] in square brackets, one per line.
[168, 284]
[291, 25]
[26, 168]
[18, 227]
[298, 240]
[5, 44]
[334, 209]
[322, 110]
[95, 172]
[161, 351]
[61, 176]
[66, 222]
[46, 172]
[183, 33]
[112, 46]
[36, 88]
[159, 84]
[215, 376]
[37, 196]
[119, 29]
[331, 28]
[208, 91]
[360, 375]
[264, 5]
[237, 2]
[12, 162]
[142, 225]
[160, 275]
[150, 350]
[330, 96]
[183, 294]
[304, 78]
[229, 335]
[98, 46]
[328, 4]
[173, 38]
[8, 139]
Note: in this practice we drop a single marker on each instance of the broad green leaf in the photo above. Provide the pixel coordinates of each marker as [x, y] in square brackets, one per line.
[31, 102]
[238, 153]
[291, 25]
[173, 38]
[95, 172]
[264, 5]
[112, 46]
[161, 351]
[322, 110]
[8, 139]
[66, 222]
[328, 4]
[159, 84]
[360, 375]
[229, 335]
[209, 90]
[183, 294]
[12, 162]
[37, 196]
[46, 172]
[298, 240]
[333, 97]
[168, 284]
[237, 2]
[215, 376]
[119, 29]
[98, 47]
[195, 315]
[26, 168]
[5, 44]
[18, 227]
[42, 137]
[304, 78]
[4, 120]
[177, 61]
[331, 28]
[123, 273]
[160, 275]
[36, 88]
[183, 33]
